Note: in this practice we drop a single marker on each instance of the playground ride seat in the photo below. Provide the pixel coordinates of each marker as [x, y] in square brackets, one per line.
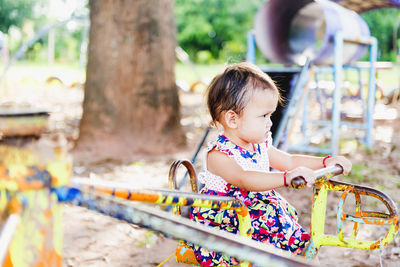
[185, 254]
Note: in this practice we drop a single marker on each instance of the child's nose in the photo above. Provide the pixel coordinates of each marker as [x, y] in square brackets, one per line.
[268, 122]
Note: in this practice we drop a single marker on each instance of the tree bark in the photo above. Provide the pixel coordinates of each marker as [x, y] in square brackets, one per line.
[131, 102]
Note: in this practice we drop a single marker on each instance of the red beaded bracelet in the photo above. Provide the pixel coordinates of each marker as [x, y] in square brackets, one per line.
[323, 161]
[284, 179]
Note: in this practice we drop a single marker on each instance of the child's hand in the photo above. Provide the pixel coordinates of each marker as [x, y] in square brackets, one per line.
[308, 175]
[339, 160]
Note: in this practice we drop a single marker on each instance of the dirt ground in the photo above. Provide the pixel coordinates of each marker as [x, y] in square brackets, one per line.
[92, 239]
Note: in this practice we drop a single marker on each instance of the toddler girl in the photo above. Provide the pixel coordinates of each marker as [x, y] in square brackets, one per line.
[242, 100]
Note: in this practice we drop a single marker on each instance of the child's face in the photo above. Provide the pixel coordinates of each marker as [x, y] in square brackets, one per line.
[255, 120]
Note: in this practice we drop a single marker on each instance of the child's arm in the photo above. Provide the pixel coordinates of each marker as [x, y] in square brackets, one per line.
[220, 164]
[281, 160]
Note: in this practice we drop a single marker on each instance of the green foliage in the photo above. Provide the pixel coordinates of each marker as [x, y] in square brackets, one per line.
[217, 26]
[381, 23]
[14, 13]
[68, 44]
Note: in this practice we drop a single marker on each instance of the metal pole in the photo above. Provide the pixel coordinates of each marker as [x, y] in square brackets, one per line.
[371, 91]
[7, 234]
[251, 48]
[180, 228]
[194, 158]
[337, 94]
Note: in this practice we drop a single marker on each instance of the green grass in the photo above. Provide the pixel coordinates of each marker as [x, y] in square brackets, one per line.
[363, 173]
[194, 73]
[189, 73]
[388, 78]
[21, 73]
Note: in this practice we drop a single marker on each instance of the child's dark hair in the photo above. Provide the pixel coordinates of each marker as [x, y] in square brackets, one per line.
[229, 90]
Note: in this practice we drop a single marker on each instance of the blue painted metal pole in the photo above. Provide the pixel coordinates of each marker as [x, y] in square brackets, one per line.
[286, 120]
[360, 88]
[194, 158]
[251, 47]
[305, 117]
[337, 93]
[371, 91]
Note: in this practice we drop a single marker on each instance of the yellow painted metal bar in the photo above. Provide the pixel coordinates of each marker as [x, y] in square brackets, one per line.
[318, 213]
[328, 240]
[358, 213]
[173, 197]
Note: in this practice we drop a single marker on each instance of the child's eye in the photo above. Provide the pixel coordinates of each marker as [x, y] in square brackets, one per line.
[269, 114]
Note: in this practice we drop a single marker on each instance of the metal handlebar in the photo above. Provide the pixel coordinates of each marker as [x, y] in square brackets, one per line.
[328, 172]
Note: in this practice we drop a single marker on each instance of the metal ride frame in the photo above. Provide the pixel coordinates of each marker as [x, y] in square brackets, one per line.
[300, 92]
[317, 227]
[115, 200]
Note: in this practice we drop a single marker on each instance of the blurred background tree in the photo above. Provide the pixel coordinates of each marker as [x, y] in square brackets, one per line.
[381, 23]
[15, 13]
[131, 102]
[212, 30]
[21, 20]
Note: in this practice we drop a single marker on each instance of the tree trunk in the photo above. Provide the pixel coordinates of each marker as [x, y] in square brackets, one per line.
[131, 102]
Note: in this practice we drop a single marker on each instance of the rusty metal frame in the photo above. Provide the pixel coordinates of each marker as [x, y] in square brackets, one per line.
[321, 188]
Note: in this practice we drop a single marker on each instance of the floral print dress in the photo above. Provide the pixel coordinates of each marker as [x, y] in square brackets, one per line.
[273, 219]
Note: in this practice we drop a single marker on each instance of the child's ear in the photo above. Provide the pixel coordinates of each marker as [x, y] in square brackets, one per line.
[231, 119]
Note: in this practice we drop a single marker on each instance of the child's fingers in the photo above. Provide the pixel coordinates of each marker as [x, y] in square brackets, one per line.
[311, 178]
[346, 165]
[342, 161]
[308, 175]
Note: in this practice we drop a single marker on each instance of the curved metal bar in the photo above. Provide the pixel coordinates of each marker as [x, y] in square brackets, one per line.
[319, 207]
[172, 174]
[364, 190]
[321, 188]
[172, 183]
